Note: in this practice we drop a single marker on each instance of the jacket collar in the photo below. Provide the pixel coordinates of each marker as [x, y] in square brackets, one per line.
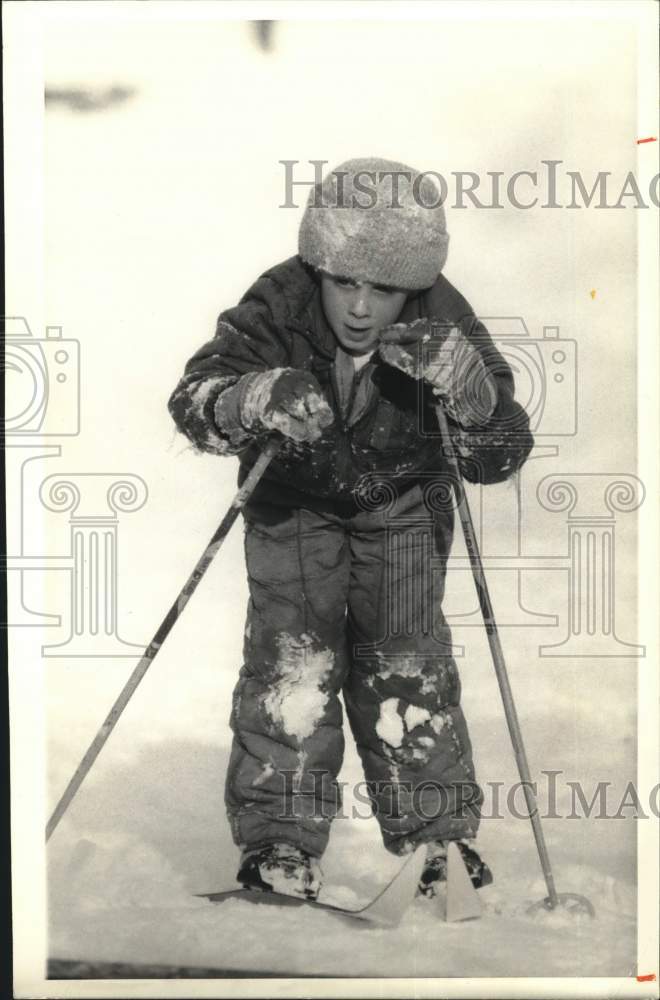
[309, 320]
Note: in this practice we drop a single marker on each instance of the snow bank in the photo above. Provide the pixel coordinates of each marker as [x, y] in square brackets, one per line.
[123, 879]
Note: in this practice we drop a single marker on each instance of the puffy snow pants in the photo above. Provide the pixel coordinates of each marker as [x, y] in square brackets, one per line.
[349, 604]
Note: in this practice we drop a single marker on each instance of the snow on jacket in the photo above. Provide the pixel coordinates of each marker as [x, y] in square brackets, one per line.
[279, 323]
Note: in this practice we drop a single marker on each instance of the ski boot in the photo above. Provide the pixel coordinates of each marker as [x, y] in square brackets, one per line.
[435, 870]
[280, 868]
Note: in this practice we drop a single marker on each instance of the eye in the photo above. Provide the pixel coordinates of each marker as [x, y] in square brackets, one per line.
[384, 289]
[344, 282]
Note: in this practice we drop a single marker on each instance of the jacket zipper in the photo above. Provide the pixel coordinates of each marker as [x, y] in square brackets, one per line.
[343, 459]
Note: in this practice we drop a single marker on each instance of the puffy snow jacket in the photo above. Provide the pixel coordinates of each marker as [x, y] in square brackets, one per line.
[279, 322]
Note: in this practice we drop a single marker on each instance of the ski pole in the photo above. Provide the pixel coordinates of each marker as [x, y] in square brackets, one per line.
[270, 449]
[497, 653]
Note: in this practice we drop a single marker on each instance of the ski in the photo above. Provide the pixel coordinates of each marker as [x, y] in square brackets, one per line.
[386, 910]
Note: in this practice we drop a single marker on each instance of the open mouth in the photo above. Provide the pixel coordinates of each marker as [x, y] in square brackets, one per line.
[357, 329]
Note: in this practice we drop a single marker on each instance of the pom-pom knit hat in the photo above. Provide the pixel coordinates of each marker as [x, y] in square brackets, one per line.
[378, 221]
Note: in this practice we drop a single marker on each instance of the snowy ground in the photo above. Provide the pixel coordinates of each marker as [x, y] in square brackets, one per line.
[160, 211]
[125, 866]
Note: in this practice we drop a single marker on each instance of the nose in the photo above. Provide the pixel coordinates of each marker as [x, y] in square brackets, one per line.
[360, 304]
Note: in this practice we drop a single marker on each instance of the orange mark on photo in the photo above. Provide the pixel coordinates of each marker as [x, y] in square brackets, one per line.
[592, 293]
[646, 979]
[652, 138]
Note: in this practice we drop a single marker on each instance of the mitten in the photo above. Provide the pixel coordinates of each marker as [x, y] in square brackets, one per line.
[448, 362]
[283, 399]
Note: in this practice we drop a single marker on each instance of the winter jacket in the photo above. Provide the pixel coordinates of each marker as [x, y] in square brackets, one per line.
[279, 322]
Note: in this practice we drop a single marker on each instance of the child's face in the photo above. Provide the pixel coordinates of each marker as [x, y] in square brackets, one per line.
[358, 310]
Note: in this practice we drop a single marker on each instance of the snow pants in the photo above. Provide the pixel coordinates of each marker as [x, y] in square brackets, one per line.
[349, 604]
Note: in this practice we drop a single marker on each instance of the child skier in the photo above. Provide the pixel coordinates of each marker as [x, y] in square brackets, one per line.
[330, 350]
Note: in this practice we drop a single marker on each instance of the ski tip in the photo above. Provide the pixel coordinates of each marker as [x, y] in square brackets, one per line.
[462, 901]
[389, 907]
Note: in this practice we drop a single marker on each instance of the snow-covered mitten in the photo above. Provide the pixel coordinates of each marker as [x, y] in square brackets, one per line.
[284, 399]
[280, 868]
[453, 367]
[435, 869]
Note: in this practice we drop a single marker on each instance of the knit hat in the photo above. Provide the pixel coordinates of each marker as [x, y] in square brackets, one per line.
[363, 223]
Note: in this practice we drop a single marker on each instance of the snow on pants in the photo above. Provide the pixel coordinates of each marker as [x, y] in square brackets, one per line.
[353, 605]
